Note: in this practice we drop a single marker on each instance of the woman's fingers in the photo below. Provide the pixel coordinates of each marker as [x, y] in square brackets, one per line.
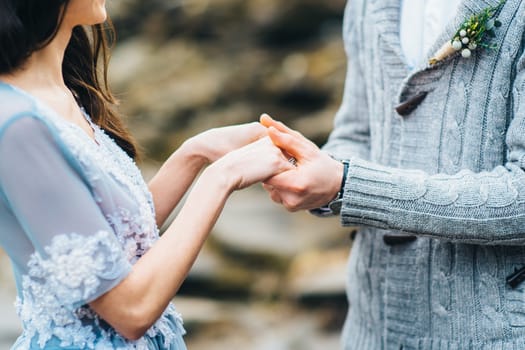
[259, 161]
[257, 131]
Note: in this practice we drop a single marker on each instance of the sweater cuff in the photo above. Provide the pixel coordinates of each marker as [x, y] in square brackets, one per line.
[367, 199]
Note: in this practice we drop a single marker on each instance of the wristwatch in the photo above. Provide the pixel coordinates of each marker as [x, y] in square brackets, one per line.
[334, 206]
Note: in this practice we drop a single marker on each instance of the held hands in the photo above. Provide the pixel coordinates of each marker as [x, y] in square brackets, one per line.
[255, 162]
[243, 155]
[314, 181]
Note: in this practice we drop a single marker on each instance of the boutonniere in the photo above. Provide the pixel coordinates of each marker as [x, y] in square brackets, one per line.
[475, 33]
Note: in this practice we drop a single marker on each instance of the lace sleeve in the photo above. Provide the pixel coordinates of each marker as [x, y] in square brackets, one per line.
[76, 256]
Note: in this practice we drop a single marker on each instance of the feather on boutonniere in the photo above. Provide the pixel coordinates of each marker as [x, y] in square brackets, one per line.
[475, 33]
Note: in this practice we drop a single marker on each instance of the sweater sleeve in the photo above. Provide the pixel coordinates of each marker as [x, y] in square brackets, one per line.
[351, 127]
[483, 208]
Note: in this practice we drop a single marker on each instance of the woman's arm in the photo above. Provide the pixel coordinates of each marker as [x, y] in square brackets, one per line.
[176, 175]
[138, 301]
[72, 236]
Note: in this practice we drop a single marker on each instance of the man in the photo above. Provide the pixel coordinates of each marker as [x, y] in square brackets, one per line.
[433, 151]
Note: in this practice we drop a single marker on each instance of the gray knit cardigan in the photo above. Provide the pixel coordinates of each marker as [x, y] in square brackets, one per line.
[447, 178]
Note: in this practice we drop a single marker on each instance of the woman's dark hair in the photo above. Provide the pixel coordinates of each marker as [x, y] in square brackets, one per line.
[29, 25]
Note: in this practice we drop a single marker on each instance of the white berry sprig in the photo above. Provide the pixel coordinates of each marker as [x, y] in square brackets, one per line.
[476, 32]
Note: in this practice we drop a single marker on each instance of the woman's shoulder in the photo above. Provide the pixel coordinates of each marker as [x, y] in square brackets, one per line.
[20, 117]
[14, 104]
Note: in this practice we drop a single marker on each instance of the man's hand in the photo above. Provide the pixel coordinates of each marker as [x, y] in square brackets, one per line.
[314, 181]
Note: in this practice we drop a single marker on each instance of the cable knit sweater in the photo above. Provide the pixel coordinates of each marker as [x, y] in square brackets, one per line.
[447, 177]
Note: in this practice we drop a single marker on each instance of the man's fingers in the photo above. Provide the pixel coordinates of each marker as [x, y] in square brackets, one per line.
[268, 121]
[291, 144]
[276, 197]
[274, 194]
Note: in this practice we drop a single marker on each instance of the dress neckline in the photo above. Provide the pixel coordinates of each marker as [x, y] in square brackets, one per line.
[39, 104]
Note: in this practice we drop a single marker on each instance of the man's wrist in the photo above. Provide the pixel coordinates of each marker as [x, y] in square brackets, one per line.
[341, 192]
[334, 206]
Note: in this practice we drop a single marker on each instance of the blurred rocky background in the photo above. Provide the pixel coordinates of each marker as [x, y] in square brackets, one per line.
[266, 279]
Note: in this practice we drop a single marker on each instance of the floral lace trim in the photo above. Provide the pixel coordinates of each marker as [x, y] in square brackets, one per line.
[136, 231]
[133, 233]
[68, 276]
[128, 172]
[57, 284]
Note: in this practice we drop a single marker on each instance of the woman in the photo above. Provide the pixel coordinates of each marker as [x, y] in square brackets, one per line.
[78, 222]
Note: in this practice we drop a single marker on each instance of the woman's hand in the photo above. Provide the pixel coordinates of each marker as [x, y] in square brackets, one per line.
[214, 143]
[250, 164]
[177, 174]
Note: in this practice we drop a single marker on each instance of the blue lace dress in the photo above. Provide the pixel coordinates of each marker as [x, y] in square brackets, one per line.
[75, 215]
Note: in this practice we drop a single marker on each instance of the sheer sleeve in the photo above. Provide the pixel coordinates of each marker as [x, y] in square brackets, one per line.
[76, 256]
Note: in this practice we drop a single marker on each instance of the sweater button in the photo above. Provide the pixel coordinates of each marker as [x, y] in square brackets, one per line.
[515, 279]
[408, 106]
[392, 240]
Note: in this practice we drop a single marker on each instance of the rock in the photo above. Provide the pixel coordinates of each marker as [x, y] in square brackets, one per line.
[184, 66]
[201, 313]
[316, 280]
[318, 274]
[254, 245]
[298, 23]
[215, 276]
[254, 326]
[10, 327]
[252, 224]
